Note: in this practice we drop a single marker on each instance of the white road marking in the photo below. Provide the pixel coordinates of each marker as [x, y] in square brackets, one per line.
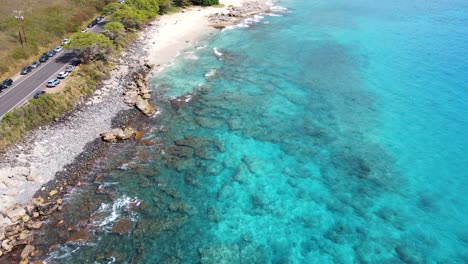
[24, 79]
[22, 101]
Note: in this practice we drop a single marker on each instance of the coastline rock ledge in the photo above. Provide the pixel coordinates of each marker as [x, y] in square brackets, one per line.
[118, 134]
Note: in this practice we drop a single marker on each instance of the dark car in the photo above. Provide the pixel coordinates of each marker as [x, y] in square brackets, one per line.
[6, 83]
[44, 58]
[92, 24]
[37, 94]
[51, 53]
[35, 64]
[26, 70]
[75, 62]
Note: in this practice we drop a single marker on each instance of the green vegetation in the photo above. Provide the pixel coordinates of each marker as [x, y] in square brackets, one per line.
[91, 46]
[205, 2]
[46, 108]
[44, 23]
[53, 20]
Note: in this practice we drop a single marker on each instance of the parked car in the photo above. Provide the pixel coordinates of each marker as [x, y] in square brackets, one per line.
[92, 24]
[62, 75]
[65, 41]
[75, 62]
[38, 94]
[51, 53]
[26, 70]
[6, 83]
[35, 64]
[53, 82]
[58, 49]
[69, 68]
[44, 58]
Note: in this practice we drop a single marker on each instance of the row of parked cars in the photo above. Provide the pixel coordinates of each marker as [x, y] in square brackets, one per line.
[62, 75]
[95, 21]
[44, 57]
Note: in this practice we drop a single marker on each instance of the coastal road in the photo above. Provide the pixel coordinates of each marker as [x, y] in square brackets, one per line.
[26, 86]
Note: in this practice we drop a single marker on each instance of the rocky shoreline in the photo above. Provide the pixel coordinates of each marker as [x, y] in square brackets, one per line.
[49, 162]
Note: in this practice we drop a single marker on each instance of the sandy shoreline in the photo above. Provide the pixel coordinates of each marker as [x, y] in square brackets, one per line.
[27, 167]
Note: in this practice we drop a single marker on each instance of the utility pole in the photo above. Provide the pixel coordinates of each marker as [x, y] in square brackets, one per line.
[19, 16]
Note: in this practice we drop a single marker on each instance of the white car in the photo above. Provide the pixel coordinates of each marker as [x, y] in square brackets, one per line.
[65, 41]
[58, 49]
[69, 68]
[53, 83]
[62, 75]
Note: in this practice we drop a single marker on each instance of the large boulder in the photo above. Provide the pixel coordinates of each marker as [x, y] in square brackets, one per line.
[146, 107]
[118, 134]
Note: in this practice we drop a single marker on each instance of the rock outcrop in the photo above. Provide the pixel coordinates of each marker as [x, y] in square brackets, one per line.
[235, 14]
[138, 93]
[118, 134]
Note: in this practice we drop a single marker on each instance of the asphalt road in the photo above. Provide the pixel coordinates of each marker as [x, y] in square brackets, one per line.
[26, 86]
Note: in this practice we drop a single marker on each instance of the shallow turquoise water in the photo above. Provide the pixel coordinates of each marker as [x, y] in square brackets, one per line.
[335, 133]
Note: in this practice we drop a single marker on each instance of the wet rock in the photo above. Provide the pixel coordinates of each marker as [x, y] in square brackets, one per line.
[205, 154]
[179, 102]
[209, 122]
[179, 207]
[80, 236]
[179, 151]
[122, 226]
[157, 226]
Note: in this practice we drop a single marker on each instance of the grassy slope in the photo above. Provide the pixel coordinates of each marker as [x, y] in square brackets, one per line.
[46, 22]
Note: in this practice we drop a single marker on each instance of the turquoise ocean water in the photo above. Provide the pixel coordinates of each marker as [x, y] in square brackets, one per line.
[331, 132]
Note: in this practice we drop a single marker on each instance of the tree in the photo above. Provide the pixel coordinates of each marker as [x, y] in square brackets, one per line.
[114, 30]
[130, 18]
[182, 3]
[91, 46]
[205, 2]
[149, 7]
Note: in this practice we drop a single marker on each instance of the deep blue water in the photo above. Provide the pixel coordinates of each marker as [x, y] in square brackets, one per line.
[334, 133]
